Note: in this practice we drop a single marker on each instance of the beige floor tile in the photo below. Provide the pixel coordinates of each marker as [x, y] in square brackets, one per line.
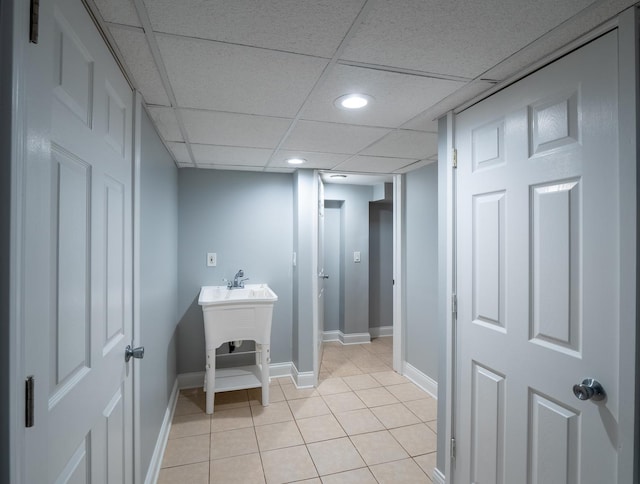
[191, 473]
[233, 443]
[331, 456]
[235, 418]
[400, 472]
[237, 470]
[324, 375]
[275, 395]
[389, 378]
[370, 368]
[188, 425]
[433, 425]
[186, 450]
[347, 369]
[359, 421]
[378, 447]
[190, 402]
[315, 480]
[274, 413]
[426, 409]
[331, 386]
[407, 392]
[343, 402]
[361, 382]
[380, 345]
[308, 407]
[288, 465]
[357, 476]
[291, 392]
[395, 415]
[416, 439]
[227, 400]
[323, 427]
[278, 436]
[375, 397]
[427, 462]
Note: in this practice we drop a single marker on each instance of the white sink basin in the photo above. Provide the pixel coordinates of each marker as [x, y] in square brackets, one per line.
[251, 293]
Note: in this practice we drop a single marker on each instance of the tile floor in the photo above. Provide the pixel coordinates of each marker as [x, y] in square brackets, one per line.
[363, 424]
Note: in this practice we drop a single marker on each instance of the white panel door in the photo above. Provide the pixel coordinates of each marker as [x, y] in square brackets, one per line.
[538, 267]
[78, 249]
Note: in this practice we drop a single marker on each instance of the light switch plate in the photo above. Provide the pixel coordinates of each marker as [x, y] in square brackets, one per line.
[212, 259]
[356, 256]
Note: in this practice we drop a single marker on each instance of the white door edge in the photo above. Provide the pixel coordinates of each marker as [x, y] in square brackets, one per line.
[314, 275]
[398, 273]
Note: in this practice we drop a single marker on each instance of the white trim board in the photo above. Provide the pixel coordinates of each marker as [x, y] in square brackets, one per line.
[381, 331]
[438, 477]
[161, 443]
[346, 339]
[424, 381]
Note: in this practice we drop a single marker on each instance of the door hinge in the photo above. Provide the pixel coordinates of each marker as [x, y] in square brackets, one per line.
[454, 305]
[453, 449]
[29, 384]
[455, 158]
[33, 22]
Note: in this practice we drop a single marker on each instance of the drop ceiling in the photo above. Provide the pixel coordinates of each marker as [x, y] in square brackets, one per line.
[247, 84]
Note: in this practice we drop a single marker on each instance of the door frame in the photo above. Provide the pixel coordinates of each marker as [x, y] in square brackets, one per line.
[398, 272]
[627, 24]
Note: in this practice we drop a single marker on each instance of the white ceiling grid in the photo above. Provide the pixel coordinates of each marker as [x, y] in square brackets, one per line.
[246, 84]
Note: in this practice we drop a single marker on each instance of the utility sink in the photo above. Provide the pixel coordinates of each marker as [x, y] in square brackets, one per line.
[231, 315]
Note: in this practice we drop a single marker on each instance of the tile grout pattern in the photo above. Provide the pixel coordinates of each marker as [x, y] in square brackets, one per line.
[364, 423]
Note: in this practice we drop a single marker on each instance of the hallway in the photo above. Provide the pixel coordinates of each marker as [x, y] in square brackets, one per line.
[363, 424]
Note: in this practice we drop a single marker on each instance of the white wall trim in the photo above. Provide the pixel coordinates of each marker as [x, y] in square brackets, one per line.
[305, 379]
[161, 444]
[438, 477]
[398, 272]
[421, 379]
[354, 338]
[381, 331]
[331, 336]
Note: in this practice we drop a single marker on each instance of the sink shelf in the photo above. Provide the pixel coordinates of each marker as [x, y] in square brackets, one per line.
[238, 378]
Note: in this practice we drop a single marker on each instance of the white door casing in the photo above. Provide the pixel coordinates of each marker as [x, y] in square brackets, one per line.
[77, 264]
[321, 278]
[538, 271]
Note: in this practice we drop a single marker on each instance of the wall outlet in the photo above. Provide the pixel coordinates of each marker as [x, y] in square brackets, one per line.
[356, 256]
[212, 259]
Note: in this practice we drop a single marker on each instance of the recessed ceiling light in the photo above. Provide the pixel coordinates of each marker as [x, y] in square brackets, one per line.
[296, 161]
[353, 101]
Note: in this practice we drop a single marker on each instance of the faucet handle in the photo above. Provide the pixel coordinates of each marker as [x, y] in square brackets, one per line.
[229, 283]
[241, 283]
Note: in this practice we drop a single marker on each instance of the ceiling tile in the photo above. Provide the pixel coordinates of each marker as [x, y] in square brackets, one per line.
[422, 122]
[234, 78]
[415, 166]
[230, 155]
[313, 28]
[374, 164]
[118, 11]
[133, 45]
[229, 129]
[317, 161]
[457, 37]
[331, 138]
[396, 97]
[180, 153]
[166, 122]
[405, 144]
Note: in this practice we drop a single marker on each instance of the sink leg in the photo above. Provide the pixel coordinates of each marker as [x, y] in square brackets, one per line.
[266, 358]
[210, 380]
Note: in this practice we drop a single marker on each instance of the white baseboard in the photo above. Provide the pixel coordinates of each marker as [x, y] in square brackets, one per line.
[354, 338]
[304, 379]
[153, 471]
[425, 382]
[381, 331]
[331, 335]
[438, 477]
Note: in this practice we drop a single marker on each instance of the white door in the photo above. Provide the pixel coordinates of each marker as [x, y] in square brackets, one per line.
[538, 262]
[77, 267]
[321, 277]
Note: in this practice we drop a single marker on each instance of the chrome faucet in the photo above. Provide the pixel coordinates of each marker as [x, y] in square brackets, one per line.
[237, 281]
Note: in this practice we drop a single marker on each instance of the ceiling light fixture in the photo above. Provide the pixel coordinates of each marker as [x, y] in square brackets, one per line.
[353, 101]
[296, 161]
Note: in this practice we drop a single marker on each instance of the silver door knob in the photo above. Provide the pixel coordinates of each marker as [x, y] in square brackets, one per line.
[130, 352]
[589, 389]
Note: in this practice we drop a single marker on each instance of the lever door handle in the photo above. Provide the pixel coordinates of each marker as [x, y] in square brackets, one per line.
[130, 352]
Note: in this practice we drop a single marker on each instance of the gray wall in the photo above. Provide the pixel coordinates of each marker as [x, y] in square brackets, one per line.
[380, 264]
[158, 284]
[333, 266]
[304, 203]
[356, 238]
[247, 219]
[421, 283]
[6, 46]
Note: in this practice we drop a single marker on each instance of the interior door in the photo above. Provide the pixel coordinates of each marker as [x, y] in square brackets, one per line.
[321, 276]
[78, 253]
[538, 251]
